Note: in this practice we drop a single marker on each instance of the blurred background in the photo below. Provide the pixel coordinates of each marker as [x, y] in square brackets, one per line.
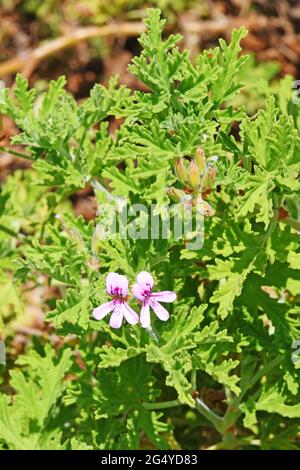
[86, 40]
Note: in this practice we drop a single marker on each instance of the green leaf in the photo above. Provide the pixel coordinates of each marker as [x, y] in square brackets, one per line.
[272, 400]
[113, 357]
[74, 309]
[176, 368]
[258, 195]
[25, 97]
[23, 420]
[225, 86]
[231, 275]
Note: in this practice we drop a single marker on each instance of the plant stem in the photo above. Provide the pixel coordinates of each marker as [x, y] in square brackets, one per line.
[14, 234]
[234, 444]
[292, 222]
[152, 334]
[15, 153]
[216, 420]
[194, 379]
[162, 405]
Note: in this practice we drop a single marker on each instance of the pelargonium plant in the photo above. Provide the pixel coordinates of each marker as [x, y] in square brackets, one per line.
[153, 341]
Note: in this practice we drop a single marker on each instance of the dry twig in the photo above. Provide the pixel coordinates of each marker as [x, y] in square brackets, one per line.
[28, 61]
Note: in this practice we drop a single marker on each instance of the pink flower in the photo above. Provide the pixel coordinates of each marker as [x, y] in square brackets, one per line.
[142, 290]
[117, 287]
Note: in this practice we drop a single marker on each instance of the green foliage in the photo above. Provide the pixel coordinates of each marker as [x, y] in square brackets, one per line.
[25, 421]
[236, 317]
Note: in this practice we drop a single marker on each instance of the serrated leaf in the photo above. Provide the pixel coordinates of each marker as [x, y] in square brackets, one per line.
[74, 309]
[273, 401]
[231, 275]
[113, 357]
[35, 397]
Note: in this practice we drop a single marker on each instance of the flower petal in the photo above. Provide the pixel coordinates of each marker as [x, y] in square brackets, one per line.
[145, 316]
[160, 311]
[145, 279]
[117, 284]
[116, 318]
[101, 311]
[164, 296]
[122, 285]
[111, 282]
[130, 315]
[138, 291]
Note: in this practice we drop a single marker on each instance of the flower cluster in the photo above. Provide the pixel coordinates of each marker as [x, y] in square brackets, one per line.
[117, 287]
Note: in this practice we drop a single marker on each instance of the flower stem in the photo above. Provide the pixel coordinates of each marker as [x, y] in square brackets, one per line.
[152, 334]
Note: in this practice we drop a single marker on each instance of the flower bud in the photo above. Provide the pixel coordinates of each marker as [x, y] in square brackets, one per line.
[175, 194]
[181, 171]
[194, 175]
[200, 159]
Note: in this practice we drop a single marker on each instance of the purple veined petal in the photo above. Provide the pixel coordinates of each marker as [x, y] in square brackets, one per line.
[117, 284]
[130, 315]
[101, 311]
[160, 311]
[138, 291]
[122, 285]
[145, 316]
[116, 318]
[145, 279]
[164, 296]
[111, 282]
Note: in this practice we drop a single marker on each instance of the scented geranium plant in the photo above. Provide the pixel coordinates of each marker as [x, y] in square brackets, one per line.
[155, 341]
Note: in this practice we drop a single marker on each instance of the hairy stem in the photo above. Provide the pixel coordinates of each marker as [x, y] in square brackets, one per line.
[15, 153]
